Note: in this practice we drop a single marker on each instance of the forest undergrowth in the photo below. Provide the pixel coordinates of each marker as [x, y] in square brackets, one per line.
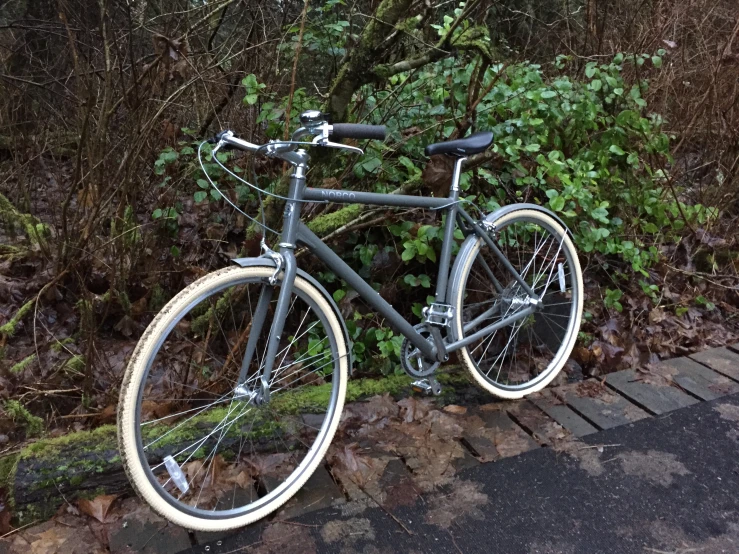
[622, 119]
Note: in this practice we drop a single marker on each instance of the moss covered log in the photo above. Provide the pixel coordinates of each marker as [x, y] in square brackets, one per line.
[78, 465]
[86, 464]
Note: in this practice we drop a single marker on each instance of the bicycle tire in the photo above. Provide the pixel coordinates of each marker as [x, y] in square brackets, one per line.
[136, 464]
[469, 252]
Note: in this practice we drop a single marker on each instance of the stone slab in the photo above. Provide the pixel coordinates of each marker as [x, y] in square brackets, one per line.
[698, 380]
[507, 437]
[542, 428]
[398, 488]
[563, 414]
[483, 447]
[141, 530]
[735, 347]
[599, 405]
[656, 398]
[722, 360]
[320, 491]
[234, 498]
[465, 462]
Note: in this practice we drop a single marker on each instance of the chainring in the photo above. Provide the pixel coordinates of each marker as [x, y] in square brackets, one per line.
[411, 359]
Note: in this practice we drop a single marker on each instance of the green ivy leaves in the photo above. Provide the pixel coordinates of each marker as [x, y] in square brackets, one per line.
[253, 89]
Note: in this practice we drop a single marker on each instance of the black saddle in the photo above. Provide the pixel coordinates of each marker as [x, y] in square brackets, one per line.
[473, 144]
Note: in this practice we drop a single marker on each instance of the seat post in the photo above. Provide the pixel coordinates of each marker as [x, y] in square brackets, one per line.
[446, 247]
[455, 178]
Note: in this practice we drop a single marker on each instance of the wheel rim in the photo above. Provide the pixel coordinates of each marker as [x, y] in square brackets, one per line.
[519, 357]
[284, 436]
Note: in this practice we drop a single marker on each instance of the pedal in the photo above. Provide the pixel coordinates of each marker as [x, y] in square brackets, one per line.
[427, 386]
[438, 315]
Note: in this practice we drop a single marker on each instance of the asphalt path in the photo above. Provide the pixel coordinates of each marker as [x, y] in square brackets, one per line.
[662, 485]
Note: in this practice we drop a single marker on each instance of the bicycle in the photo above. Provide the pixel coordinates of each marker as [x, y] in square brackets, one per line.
[252, 361]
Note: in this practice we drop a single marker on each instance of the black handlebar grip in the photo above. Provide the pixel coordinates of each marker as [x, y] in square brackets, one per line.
[357, 131]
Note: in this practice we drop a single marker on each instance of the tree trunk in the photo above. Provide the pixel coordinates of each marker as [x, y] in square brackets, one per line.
[357, 70]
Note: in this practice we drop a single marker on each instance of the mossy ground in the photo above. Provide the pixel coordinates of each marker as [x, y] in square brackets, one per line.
[8, 330]
[33, 425]
[7, 469]
[23, 364]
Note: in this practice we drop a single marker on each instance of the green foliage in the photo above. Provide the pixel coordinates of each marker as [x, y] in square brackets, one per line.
[586, 148]
[612, 298]
[253, 89]
[704, 302]
[23, 364]
[418, 244]
[168, 217]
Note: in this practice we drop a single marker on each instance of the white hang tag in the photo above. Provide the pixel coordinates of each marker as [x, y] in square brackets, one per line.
[176, 474]
[561, 272]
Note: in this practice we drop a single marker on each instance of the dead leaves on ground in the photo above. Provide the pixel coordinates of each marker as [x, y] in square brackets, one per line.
[98, 507]
[426, 437]
[374, 432]
[648, 330]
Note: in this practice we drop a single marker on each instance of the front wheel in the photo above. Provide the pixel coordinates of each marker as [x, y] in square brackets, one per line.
[524, 356]
[210, 451]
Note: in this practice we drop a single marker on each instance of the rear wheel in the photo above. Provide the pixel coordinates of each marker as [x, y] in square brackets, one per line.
[203, 451]
[525, 356]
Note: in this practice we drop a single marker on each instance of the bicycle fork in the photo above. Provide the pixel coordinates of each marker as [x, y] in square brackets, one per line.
[287, 265]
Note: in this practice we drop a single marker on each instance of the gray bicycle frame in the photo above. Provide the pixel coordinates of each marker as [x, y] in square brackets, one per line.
[296, 233]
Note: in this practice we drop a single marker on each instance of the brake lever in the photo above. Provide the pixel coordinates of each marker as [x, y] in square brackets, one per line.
[323, 141]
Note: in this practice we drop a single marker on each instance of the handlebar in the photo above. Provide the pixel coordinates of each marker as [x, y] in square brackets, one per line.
[227, 137]
[321, 130]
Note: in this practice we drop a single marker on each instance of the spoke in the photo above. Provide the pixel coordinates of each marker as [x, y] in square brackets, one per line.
[557, 324]
[514, 332]
[480, 303]
[275, 380]
[296, 332]
[293, 342]
[205, 438]
[236, 462]
[292, 304]
[300, 377]
[551, 272]
[177, 426]
[224, 430]
[487, 314]
[551, 314]
[201, 408]
[568, 303]
[489, 340]
[538, 277]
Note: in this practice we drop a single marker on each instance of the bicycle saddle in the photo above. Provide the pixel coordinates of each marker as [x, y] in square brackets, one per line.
[473, 144]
